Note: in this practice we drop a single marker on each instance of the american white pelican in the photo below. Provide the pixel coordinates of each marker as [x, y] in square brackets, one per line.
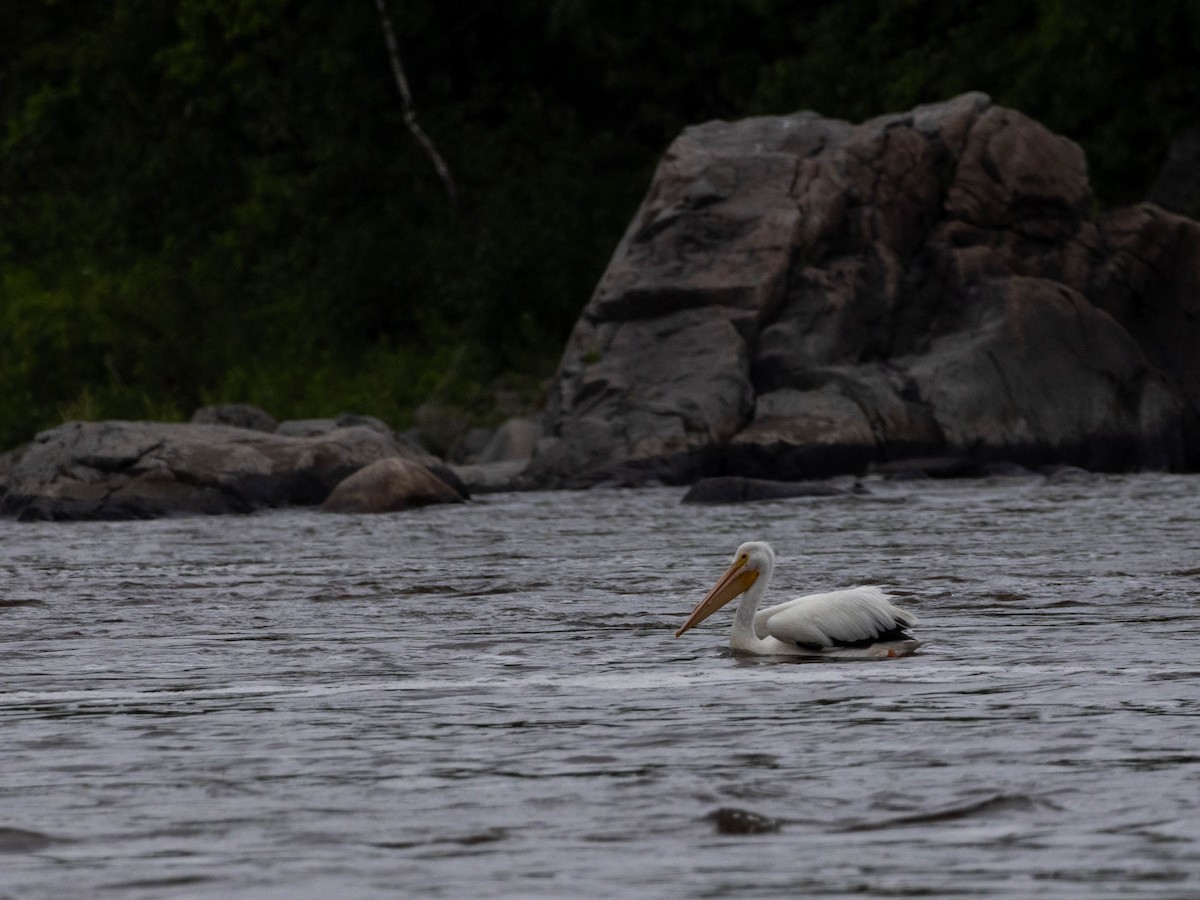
[857, 623]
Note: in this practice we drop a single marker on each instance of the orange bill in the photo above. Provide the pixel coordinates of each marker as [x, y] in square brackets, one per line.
[733, 583]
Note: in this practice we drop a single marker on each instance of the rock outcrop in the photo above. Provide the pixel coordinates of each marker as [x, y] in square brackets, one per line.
[122, 470]
[799, 297]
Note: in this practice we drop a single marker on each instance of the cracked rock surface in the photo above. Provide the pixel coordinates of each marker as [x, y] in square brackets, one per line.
[799, 297]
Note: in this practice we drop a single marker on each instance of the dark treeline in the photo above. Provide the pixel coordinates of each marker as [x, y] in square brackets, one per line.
[219, 200]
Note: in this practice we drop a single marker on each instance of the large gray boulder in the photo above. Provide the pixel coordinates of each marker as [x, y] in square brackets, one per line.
[799, 297]
[121, 470]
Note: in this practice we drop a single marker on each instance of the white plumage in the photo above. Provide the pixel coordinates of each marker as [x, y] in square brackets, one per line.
[858, 623]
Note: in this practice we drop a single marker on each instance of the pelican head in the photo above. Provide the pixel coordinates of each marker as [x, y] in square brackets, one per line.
[753, 560]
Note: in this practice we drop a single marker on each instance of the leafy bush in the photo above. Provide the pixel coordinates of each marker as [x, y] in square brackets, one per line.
[210, 200]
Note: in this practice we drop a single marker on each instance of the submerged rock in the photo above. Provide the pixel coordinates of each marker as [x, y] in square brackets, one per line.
[946, 467]
[735, 489]
[729, 820]
[800, 297]
[21, 840]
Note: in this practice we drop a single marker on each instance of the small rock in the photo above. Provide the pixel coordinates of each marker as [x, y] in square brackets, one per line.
[491, 478]
[357, 420]
[730, 820]
[19, 840]
[389, 485]
[467, 447]
[514, 440]
[439, 426]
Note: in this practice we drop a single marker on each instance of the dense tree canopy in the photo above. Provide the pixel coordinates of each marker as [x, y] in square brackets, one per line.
[219, 200]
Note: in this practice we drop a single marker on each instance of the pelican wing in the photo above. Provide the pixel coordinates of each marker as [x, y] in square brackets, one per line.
[858, 616]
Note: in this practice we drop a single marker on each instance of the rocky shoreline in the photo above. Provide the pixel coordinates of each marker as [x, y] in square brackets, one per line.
[926, 294]
[121, 470]
[232, 459]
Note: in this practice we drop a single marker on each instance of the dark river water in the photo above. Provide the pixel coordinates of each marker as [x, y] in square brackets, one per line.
[487, 701]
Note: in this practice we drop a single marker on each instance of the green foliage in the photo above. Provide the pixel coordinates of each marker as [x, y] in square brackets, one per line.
[1120, 78]
[219, 200]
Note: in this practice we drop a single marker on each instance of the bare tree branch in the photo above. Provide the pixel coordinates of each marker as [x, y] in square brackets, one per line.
[410, 110]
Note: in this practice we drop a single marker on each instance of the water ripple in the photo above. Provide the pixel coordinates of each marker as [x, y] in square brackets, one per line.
[488, 701]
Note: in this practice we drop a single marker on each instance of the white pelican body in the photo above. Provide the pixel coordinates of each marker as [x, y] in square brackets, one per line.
[858, 623]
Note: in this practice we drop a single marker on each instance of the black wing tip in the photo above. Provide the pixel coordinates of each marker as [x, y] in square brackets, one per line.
[898, 633]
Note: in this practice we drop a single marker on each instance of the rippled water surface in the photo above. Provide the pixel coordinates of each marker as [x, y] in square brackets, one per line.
[487, 701]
